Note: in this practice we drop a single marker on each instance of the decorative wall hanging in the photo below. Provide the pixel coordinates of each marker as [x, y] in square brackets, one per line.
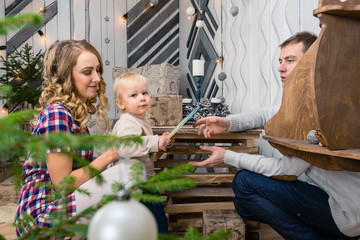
[200, 45]
[153, 33]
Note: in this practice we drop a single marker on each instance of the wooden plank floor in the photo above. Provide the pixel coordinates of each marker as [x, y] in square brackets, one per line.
[266, 232]
[8, 201]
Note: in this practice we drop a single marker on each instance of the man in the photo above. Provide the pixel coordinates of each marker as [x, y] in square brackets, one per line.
[320, 204]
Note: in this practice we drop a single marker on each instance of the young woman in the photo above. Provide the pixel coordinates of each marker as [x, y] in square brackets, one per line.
[73, 83]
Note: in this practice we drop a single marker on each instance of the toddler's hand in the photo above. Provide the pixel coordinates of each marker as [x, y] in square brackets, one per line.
[172, 139]
[165, 142]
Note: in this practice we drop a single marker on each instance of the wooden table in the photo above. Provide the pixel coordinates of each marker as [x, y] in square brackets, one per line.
[213, 189]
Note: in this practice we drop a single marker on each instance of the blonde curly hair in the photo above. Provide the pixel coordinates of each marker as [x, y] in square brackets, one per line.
[59, 87]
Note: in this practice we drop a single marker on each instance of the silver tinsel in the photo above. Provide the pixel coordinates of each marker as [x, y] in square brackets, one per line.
[207, 109]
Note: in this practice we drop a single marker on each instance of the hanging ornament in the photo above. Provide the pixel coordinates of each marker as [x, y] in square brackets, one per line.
[200, 23]
[234, 10]
[222, 76]
[190, 11]
[125, 220]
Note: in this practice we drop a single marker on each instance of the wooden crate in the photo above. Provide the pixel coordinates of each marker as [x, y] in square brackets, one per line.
[213, 189]
[217, 220]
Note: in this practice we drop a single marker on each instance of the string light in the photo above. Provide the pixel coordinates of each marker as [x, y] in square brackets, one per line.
[152, 3]
[42, 35]
[219, 59]
[124, 17]
[4, 110]
[42, 9]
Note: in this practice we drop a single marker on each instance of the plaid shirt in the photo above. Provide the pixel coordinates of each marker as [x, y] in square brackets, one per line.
[32, 198]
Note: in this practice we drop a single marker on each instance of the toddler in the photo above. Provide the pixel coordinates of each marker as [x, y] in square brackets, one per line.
[133, 100]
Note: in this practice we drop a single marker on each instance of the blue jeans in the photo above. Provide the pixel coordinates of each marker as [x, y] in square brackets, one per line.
[157, 210]
[294, 209]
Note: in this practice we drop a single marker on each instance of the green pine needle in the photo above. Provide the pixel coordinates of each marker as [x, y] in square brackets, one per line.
[173, 173]
[169, 185]
[147, 198]
[13, 22]
[4, 90]
[136, 173]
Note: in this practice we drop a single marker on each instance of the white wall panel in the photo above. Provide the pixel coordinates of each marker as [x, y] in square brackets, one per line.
[8, 2]
[119, 28]
[51, 32]
[96, 20]
[79, 19]
[108, 50]
[64, 20]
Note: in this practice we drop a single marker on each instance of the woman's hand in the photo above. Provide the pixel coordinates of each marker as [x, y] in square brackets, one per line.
[216, 158]
[212, 125]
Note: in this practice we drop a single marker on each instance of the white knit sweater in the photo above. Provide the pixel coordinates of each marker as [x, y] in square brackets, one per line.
[343, 187]
[131, 125]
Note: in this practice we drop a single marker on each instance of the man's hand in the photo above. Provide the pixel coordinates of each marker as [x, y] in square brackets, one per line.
[216, 158]
[212, 125]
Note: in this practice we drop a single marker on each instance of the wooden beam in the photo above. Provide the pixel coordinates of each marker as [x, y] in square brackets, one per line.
[16, 7]
[177, 149]
[183, 224]
[27, 31]
[163, 163]
[211, 178]
[204, 192]
[197, 207]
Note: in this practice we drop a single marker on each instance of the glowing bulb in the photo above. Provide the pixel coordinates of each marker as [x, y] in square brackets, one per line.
[4, 111]
[124, 17]
[153, 3]
[219, 59]
[42, 9]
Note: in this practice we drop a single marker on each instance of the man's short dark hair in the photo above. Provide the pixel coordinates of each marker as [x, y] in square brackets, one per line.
[307, 38]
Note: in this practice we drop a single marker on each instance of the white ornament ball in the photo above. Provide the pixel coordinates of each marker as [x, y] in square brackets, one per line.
[200, 23]
[123, 220]
[234, 10]
[311, 137]
[190, 10]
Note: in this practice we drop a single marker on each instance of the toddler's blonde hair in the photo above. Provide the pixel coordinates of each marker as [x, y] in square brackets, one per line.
[123, 79]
